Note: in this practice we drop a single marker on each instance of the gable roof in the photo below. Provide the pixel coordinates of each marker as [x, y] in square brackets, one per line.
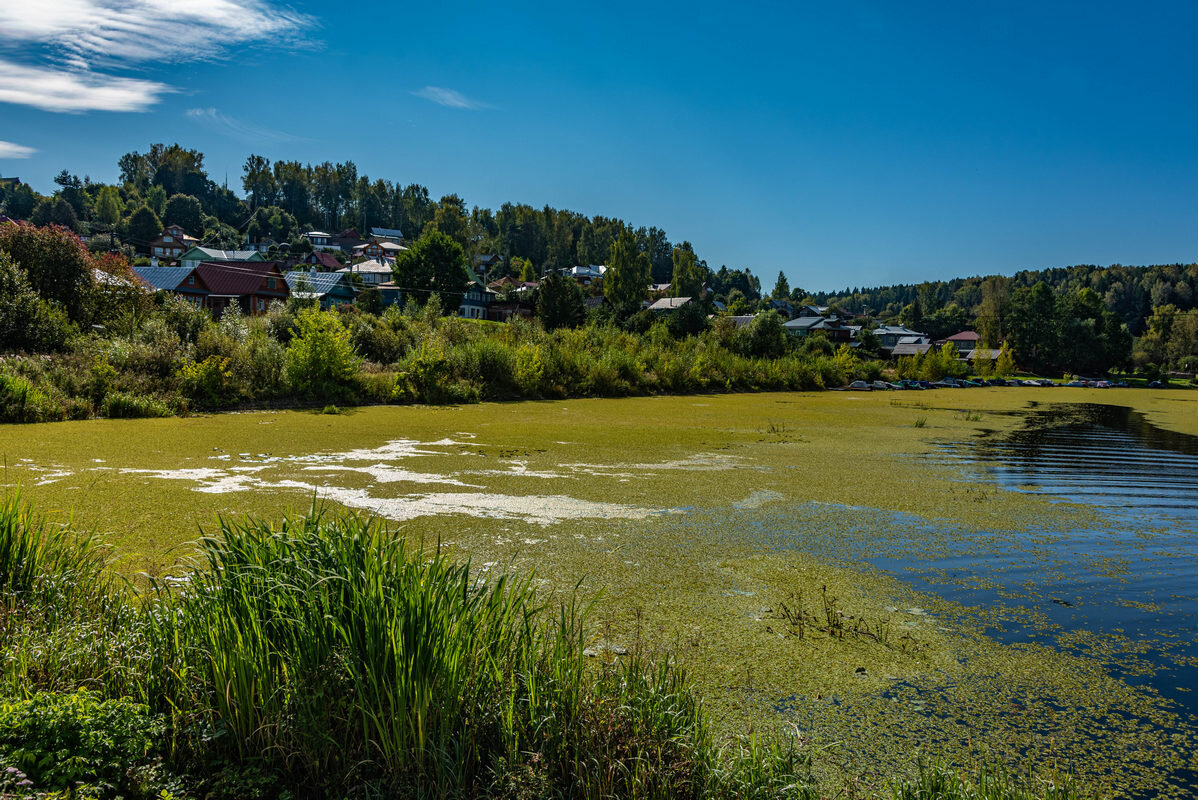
[393, 233]
[212, 254]
[324, 259]
[964, 336]
[669, 303]
[367, 266]
[314, 284]
[805, 323]
[167, 279]
[237, 279]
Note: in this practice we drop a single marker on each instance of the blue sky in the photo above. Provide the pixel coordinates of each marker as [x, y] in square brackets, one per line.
[845, 143]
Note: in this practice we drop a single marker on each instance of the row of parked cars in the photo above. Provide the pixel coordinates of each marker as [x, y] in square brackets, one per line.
[961, 383]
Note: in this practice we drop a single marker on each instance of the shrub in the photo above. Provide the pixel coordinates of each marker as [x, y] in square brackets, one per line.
[121, 405]
[209, 380]
[21, 401]
[26, 321]
[320, 359]
[72, 741]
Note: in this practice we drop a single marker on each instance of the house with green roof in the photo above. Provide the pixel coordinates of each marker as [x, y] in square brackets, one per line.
[198, 255]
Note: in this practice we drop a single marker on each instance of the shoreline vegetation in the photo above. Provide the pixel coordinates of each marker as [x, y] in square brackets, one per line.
[329, 656]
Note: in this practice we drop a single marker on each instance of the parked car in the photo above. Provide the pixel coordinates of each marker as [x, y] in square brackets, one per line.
[969, 383]
[860, 386]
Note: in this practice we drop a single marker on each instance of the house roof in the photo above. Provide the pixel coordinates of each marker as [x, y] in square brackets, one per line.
[395, 233]
[212, 254]
[964, 336]
[741, 320]
[235, 279]
[983, 352]
[669, 303]
[325, 259]
[896, 330]
[659, 287]
[367, 266]
[805, 323]
[912, 340]
[315, 284]
[911, 348]
[165, 278]
[317, 233]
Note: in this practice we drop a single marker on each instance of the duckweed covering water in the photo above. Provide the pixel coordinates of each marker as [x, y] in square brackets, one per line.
[712, 526]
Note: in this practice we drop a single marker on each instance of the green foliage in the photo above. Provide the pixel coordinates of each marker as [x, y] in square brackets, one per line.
[123, 405]
[209, 380]
[26, 321]
[628, 274]
[57, 264]
[560, 302]
[185, 211]
[144, 227]
[79, 742]
[689, 277]
[942, 783]
[435, 263]
[320, 359]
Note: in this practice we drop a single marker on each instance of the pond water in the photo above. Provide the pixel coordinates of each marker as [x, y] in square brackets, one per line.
[1125, 587]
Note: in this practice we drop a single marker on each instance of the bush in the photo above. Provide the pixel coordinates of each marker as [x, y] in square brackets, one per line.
[209, 380]
[320, 360]
[26, 321]
[21, 401]
[121, 405]
[77, 742]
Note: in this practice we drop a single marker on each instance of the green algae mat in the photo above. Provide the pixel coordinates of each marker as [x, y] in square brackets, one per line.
[738, 532]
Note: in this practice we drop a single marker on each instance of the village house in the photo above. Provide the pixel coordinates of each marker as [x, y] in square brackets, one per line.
[379, 250]
[889, 335]
[393, 235]
[371, 273]
[911, 346]
[668, 305]
[331, 289]
[172, 243]
[475, 301]
[833, 327]
[585, 275]
[180, 281]
[320, 240]
[323, 261]
[965, 341]
[197, 255]
[250, 285]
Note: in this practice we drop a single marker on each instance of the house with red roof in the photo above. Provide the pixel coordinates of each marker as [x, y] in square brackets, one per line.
[965, 341]
[249, 284]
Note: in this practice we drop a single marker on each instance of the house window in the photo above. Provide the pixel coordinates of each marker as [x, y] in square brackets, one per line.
[157, 251]
[191, 280]
[261, 304]
[270, 283]
[167, 238]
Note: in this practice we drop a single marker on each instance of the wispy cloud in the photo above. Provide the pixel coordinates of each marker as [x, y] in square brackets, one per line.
[450, 98]
[10, 150]
[72, 47]
[71, 91]
[239, 129]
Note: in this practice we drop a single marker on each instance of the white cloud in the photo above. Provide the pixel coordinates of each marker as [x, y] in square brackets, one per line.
[74, 91]
[10, 150]
[449, 97]
[70, 46]
[223, 123]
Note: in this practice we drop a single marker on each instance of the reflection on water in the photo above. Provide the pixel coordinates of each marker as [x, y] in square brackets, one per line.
[1109, 455]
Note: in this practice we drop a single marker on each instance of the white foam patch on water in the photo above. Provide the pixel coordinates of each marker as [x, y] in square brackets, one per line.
[535, 509]
[700, 462]
[520, 469]
[386, 474]
[54, 477]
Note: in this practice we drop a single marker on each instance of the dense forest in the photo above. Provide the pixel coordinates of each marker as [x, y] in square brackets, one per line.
[1082, 320]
